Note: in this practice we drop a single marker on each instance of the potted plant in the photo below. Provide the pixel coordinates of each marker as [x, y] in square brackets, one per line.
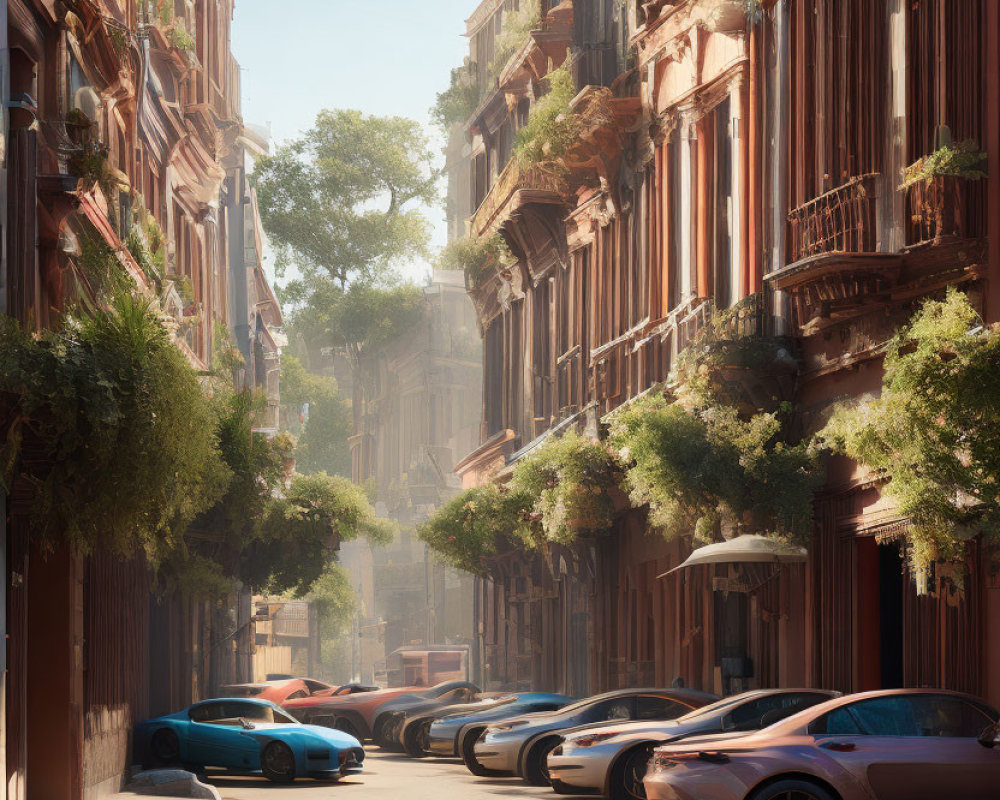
[935, 185]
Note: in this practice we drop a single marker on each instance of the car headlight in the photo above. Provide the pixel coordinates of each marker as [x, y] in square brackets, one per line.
[588, 741]
[504, 727]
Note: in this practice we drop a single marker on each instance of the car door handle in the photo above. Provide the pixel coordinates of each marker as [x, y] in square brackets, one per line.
[840, 747]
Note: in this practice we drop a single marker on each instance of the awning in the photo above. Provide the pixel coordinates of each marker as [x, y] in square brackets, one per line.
[747, 549]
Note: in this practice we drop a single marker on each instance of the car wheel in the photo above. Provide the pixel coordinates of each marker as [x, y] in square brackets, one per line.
[468, 752]
[346, 726]
[536, 764]
[628, 773]
[278, 763]
[792, 789]
[416, 739]
[165, 747]
[379, 731]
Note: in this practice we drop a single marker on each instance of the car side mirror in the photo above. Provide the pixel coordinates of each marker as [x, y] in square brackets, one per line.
[246, 724]
[991, 736]
[728, 724]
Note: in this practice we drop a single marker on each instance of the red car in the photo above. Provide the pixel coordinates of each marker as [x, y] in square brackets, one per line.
[355, 714]
[281, 691]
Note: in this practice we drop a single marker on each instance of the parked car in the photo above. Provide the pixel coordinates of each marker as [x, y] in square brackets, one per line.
[279, 691]
[456, 733]
[904, 744]
[521, 746]
[248, 735]
[355, 713]
[611, 759]
[388, 722]
[414, 732]
[394, 730]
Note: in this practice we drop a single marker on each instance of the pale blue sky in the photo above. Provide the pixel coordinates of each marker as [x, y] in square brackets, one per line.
[380, 56]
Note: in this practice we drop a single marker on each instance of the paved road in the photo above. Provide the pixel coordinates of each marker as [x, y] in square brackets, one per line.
[387, 777]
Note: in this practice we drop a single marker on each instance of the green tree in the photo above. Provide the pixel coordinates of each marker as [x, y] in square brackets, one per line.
[344, 200]
[322, 438]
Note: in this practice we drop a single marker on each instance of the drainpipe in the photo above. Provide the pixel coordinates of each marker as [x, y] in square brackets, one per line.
[4, 120]
[779, 165]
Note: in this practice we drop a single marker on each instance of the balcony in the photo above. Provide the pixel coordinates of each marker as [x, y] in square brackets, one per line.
[835, 267]
[513, 189]
[944, 208]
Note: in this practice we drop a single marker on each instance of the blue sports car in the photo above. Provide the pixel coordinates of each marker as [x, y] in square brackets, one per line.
[248, 735]
[456, 734]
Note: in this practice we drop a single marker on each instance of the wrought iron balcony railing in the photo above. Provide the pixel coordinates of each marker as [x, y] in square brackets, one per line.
[842, 220]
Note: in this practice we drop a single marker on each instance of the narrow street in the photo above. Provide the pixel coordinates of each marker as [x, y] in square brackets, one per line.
[386, 777]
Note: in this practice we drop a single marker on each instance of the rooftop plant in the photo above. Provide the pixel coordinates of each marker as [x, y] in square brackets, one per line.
[958, 159]
[571, 480]
[932, 434]
[477, 524]
[478, 257]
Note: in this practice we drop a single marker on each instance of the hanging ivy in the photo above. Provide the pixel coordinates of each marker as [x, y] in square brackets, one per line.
[477, 257]
[108, 427]
[572, 481]
[705, 470]
[476, 525]
[933, 433]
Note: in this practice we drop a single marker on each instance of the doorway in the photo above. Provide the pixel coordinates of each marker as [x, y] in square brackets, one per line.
[891, 585]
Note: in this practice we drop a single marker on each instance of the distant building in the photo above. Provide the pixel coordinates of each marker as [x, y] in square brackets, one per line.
[409, 434]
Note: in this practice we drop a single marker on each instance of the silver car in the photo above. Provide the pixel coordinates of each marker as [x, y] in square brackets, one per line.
[611, 759]
[520, 746]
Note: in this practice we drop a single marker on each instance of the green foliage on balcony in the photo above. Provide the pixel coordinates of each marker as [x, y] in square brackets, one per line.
[551, 128]
[957, 159]
[477, 524]
[572, 481]
[933, 433]
[477, 257]
[703, 468]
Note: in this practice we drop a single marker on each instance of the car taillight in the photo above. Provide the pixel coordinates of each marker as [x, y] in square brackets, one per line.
[591, 740]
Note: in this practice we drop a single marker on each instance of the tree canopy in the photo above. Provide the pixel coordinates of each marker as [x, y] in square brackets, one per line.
[344, 200]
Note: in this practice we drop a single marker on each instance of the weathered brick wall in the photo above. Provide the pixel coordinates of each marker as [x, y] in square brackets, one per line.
[107, 748]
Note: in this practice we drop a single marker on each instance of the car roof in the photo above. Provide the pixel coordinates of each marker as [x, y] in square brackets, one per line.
[678, 694]
[252, 700]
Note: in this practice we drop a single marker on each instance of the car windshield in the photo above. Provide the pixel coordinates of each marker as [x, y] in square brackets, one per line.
[718, 705]
[233, 713]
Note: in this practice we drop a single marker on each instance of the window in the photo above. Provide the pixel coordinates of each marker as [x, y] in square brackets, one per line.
[914, 715]
[763, 711]
[619, 708]
[649, 706]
